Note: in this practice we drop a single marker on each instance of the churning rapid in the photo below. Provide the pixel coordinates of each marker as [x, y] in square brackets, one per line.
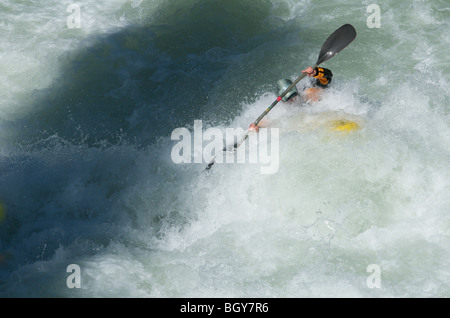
[92, 203]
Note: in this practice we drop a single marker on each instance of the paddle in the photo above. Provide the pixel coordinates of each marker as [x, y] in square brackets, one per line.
[337, 41]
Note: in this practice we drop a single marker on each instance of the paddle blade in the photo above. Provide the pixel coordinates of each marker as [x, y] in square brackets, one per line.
[336, 42]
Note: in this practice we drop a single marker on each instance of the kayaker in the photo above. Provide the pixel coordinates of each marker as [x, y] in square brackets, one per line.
[323, 78]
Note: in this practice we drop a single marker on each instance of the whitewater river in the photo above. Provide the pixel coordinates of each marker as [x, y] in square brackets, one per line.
[94, 204]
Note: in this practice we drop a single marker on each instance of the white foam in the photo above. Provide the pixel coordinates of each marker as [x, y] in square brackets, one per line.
[141, 226]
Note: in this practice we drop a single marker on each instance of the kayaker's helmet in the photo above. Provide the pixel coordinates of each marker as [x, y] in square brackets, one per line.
[284, 84]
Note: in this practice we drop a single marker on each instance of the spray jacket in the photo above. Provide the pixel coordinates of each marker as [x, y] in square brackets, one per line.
[323, 76]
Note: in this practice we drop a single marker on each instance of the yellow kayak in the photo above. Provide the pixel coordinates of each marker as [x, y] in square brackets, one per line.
[343, 125]
[335, 121]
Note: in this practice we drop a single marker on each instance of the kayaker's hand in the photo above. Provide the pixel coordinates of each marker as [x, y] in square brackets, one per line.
[253, 127]
[309, 71]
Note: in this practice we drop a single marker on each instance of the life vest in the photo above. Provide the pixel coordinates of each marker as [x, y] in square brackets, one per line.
[323, 76]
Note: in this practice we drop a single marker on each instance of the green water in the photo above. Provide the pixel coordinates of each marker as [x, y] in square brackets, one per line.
[87, 178]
